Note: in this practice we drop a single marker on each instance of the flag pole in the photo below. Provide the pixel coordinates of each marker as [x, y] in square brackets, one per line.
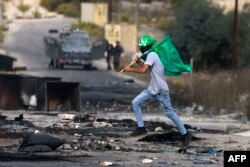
[128, 65]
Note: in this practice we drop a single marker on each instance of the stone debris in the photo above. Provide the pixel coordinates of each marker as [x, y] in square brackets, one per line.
[89, 133]
[101, 124]
[147, 161]
[176, 163]
[105, 163]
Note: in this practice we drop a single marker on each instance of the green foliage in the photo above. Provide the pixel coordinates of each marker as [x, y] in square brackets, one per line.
[177, 2]
[51, 4]
[161, 23]
[123, 17]
[248, 108]
[90, 28]
[144, 20]
[68, 9]
[203, 32]
[244, 38]
[23, 7]
[36, 14]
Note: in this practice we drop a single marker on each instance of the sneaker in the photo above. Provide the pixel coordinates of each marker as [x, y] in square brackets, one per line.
[186, 139]
[139, 131]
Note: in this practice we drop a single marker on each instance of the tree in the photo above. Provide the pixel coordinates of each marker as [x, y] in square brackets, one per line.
[202, 31]
[243, 37]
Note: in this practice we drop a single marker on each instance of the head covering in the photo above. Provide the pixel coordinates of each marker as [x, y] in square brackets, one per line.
[146, 41]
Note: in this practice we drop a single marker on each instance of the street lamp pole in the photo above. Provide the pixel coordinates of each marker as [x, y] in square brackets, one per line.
[234, 42]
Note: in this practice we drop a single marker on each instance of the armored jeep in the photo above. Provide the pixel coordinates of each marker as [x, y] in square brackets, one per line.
[72, 48]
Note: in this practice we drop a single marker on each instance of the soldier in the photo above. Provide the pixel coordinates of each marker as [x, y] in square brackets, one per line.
[110, 50]
[52, 63]
[118, 50]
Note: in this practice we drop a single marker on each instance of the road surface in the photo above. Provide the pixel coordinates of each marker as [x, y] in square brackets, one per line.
[24, 41]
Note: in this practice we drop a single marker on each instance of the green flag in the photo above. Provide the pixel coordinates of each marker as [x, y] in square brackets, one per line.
[170, 57]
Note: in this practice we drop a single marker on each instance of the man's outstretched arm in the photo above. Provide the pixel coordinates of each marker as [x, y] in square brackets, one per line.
[142, 69]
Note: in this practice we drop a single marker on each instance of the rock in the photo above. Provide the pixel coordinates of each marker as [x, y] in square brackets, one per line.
[176, 163]
[106, 163]
[147, 161]
[67, 147]
[223, 111]
[101, 124]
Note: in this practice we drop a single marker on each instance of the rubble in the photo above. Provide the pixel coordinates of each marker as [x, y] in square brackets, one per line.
[106, 163]
[159, 129]
[2, 117]
[196, 159]
[66, 116]
[147, 161]
[88, 133]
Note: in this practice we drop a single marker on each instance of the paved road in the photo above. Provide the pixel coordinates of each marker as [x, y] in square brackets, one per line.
[24, 41]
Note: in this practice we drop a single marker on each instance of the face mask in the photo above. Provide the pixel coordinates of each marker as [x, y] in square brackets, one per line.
[145, 48]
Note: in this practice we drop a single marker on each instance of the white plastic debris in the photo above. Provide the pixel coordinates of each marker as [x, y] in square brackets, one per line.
[37, 131]
[158, 129]
[106, 163]
[25, 98]
[147, 161]
[66, 116]
[33, 101]
[77, 135]
[77, 126]
[67, 147]
[200, 109]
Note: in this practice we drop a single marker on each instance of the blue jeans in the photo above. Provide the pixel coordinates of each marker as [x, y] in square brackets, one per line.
[164, 100]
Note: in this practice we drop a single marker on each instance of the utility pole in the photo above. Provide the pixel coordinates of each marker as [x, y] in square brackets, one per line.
[137, 11]
[234, 42]
[1, 12]
[109, 11]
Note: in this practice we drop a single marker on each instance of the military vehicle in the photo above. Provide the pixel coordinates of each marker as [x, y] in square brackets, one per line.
[72, 47]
